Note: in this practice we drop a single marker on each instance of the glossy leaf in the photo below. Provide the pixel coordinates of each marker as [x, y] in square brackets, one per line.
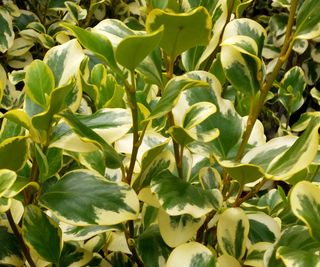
[171, 94]
[64, 61]
[20, 184]
[8, 151]
[308, 17]
[256, 253]
[39, 81]
[42, 234]
[7, 179]
[133, 49]
[113, 159]
[7, 33]
[97, 43]
[232, 232]
[176, 230]
[291, 89]
[151, 248]
[305, 203]
[298, 258]
[80, 203]
[57, 101]
[178, 197]
[179, 29]
[191, 254]
[10, 252]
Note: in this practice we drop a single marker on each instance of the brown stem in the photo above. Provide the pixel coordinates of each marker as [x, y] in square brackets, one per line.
[16, 232]
[285, 52]
[250, 194]
[203, 227]
[132, 101]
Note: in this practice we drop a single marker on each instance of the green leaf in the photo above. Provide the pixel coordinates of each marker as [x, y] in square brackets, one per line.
[7, 33]
[291, 89]
[298, 258]
[179, 29]
[209, 178]
[5, 204]
[171, 94]
[151, 248]
[192, 254]
[10, 252]
[232, 232]
[226, 260]
[57, 101]
[305, 204]
[39, 82]
[256, 253]
[73, 255]
[64, 61]
[7, 179]
[20, 184]
[176, 230]
[133, 49]
[178, 197]
[76, 199]
[308, 20]
[97, 43]
[197, 113]
[296, 238]
[113, 159]
[263, 228]
[78, 233]
[42, 234]
[8, 151]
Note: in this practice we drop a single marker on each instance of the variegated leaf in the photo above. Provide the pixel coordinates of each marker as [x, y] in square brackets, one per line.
[298, 258]
[8, 151]
[5, 204]
[20, 46]
[87, 135]
[42, 234]
[191, 254]
[178, 197]
[291, 89]
[296, 238]
[171, 94]
[7, 179]
[97, 43]
[240, 54]
[263, 228]
[79, 203]
[255, 254]
[151, 248]
[176, 230]
[10, 252]
[308, 20]
[64, 61]
[20, 184]
[305, 204]
[39, 82]
[232, 232]
[73, 255]
[78, 233]
[7, 33]
[226, 260]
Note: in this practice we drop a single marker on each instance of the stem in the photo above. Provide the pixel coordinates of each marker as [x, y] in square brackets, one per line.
[250, 194]
[203, 227]
[89, 15]
[131, 94]
[24, 247]
[176, 148]
[131, 244]
[255, 110]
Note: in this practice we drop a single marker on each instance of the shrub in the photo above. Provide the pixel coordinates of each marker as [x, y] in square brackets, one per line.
[159, 133]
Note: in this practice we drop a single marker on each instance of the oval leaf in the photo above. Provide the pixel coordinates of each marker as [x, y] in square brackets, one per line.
[77, 199]
[133, 49]
[42, 234]
[179, 29]
[232, 232]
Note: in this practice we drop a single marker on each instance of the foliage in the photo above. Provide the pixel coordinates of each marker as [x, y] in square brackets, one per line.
[159, 133]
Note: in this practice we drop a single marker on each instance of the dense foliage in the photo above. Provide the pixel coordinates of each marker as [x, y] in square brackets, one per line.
[159, 133]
